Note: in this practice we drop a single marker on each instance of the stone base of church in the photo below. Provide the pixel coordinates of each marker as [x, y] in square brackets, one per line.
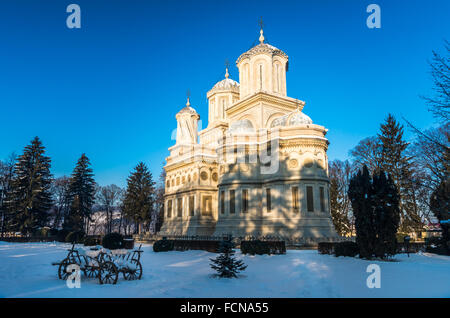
[311, 228]
[188, 227]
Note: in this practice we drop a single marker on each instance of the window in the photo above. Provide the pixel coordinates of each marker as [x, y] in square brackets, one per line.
[260, 76]
[232, 202]
[169, 208]
[244, 200]
[191, 205]
[295, 199]
[180, 207]
[322, 199]
[268, 200]
[309, 199]
[222, 202]
[207, 205]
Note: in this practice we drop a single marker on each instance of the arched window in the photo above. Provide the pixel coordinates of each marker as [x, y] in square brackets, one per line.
[260, 77]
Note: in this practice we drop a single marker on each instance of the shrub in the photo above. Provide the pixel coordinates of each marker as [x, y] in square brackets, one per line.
[75, 237]
[346, 249]
[163, 246]
[325, 248]
[128, 243]
[255, 247]
[113, 241]
[90, 241]
[61, 236]
[53, 232]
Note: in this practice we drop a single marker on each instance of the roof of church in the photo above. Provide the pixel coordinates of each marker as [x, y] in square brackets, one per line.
[261, 48]
[296, 118]
[188, 109]
[226, 84]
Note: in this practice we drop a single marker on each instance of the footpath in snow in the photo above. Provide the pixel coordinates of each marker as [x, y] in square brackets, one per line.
[26, 271]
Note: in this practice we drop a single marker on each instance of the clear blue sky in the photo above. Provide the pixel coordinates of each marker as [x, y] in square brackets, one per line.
[112, 88]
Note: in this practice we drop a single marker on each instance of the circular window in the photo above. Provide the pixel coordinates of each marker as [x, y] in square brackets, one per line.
[293, 163]
[204, 175]
[214, 177]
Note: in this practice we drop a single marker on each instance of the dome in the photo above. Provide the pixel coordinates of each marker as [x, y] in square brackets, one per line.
[187, 109]
[299, 118]
[261, 49]
[226, 84]
[241, 126]
[296, 118]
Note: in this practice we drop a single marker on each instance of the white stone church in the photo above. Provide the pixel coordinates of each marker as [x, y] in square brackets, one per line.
[260, 167]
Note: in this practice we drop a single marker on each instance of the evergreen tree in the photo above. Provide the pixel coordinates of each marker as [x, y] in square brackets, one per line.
[440, 206]
[360, 196]
[29, 199]
[226, 264]
[81, 195]
[399, 166]
[138, 203]
[375, 203]
[385, 206]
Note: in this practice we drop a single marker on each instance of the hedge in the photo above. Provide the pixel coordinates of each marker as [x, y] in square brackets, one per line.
[326, 248]
[346, 249]
[113, 241]
[163, 246]
[75, 237]
[263, 247]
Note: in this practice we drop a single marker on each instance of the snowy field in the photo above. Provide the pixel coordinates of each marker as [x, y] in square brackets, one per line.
[26, 271]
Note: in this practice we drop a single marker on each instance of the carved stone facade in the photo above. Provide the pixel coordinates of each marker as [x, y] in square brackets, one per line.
[259, 168]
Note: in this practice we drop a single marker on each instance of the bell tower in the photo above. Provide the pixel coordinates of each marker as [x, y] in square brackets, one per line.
[187, 125]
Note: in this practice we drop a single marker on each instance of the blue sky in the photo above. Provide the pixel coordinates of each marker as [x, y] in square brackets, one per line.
[112, 88]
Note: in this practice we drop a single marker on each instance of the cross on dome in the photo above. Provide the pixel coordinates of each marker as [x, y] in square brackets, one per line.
[261, 32]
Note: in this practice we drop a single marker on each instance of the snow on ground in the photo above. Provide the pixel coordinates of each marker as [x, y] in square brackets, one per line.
[26, 271]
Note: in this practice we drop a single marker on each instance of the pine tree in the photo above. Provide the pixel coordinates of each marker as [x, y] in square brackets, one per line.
[29, 198]
[385, 207]
[440, 206]
[399, 166]
[375, 202]
[81, 195]
[226, 264]
[360, 196]
[138, 203]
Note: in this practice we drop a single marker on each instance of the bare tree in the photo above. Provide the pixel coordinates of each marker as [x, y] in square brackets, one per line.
[367, 152]
[60, 188]
[439, 104]
[341, 212]
[108, 197]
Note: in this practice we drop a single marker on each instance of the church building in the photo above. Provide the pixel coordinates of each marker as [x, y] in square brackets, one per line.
[260, 167]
